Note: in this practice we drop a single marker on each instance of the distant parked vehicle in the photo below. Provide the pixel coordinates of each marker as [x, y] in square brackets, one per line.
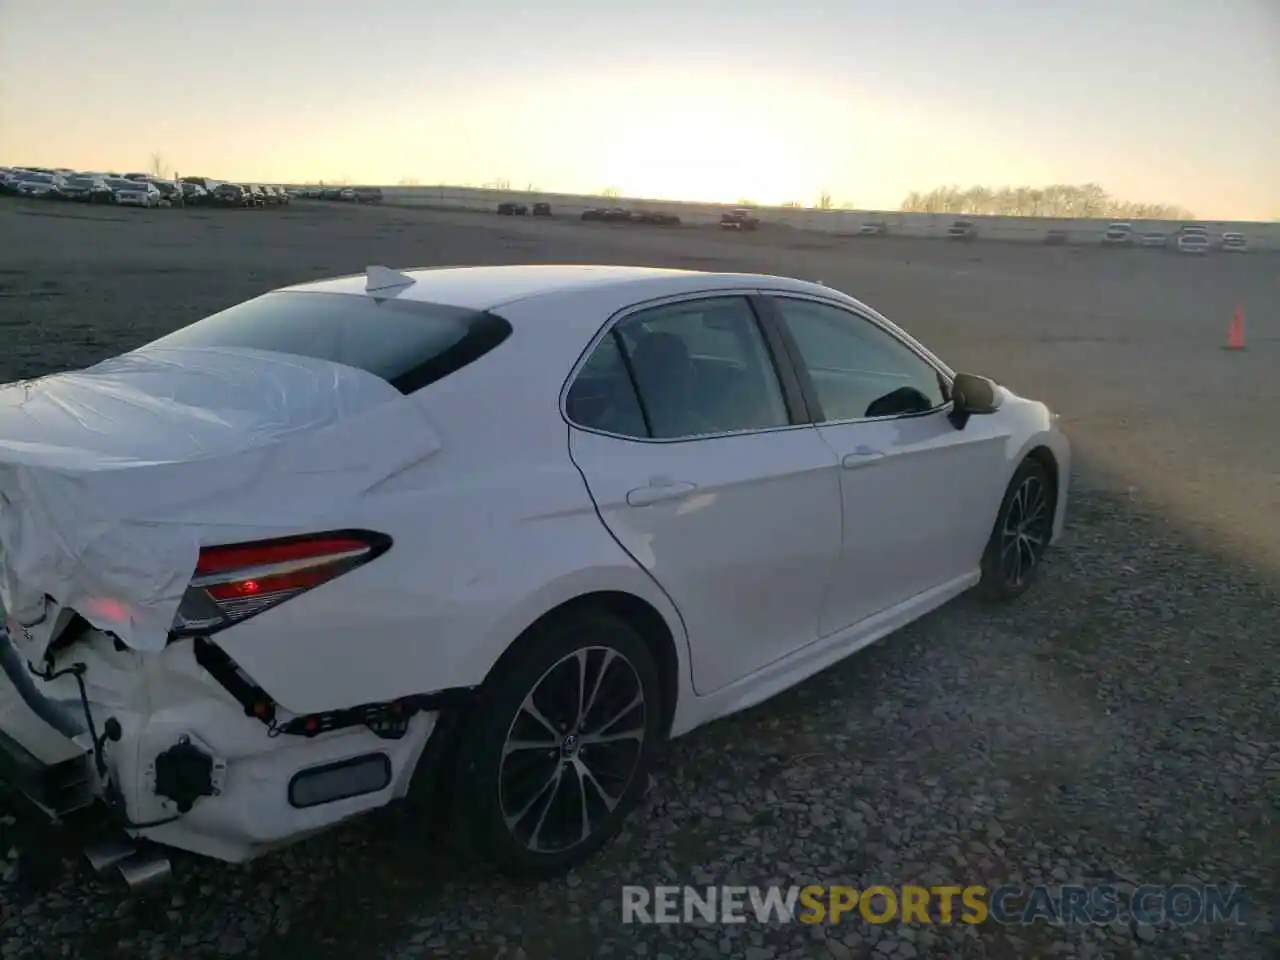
[133, 193]
[368, 194]
[509, 208]
[269, 195]
[1233, 242]
[542, 209]
[740, 218]
[1194, 242]
[229, 195]
[1154, 239]
[45, 186]
[656, 218]
[347, 194]
[1118, 234]
[873, 228]
[204, 183]
[608, 214]
[256, 198]
[962, 230]
[170, 191]
[86, 188]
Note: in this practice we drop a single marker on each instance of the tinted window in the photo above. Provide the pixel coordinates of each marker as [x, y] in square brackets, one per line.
[407, 343]
[857, 369]
[603, 396]
[700, 367]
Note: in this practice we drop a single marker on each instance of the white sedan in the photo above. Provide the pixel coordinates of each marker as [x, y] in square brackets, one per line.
[500, 530]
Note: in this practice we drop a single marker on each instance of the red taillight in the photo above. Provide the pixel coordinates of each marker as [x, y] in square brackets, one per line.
[237, 581]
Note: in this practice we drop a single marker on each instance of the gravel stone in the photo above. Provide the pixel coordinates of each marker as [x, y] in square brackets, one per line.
[1120, 723]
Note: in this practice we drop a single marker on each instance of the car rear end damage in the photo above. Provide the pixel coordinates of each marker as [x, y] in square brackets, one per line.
[179, 748]
[147, 505]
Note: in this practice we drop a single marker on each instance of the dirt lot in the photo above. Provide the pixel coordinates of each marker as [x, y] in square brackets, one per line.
[1121, 724]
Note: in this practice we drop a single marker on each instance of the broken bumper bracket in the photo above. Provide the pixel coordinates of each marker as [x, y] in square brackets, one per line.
[56, 789]
[389, 720]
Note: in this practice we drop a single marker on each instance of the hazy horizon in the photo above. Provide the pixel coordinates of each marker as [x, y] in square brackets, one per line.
[1169, 102]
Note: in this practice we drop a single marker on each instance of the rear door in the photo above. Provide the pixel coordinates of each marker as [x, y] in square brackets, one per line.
[919, 496]
[689, 436]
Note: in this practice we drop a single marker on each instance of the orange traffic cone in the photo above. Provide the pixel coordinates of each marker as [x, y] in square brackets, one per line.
[1235, 332]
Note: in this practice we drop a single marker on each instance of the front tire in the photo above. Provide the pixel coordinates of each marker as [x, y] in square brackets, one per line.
[558, 752]
[1020, 536]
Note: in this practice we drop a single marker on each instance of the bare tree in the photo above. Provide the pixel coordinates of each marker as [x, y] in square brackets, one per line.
[532, 188]
[1057, 200]
[159, 168]
[610, 192]
[824, 200]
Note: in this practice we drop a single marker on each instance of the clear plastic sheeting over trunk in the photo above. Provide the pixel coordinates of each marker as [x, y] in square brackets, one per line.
[113, 477]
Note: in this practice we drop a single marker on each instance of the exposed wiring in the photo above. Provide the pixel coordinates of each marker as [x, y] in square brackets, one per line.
[111, 732]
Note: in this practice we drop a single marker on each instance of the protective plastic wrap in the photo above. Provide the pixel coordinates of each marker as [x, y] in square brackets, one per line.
[112, 478]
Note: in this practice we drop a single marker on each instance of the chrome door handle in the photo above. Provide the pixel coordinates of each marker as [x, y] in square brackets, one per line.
[656, 493]
[861, 457]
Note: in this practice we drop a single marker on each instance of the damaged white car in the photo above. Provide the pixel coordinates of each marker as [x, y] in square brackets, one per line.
[497, 529]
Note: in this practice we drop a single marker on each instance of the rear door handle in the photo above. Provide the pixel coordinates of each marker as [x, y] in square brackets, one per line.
[861, 457]
[657, 492]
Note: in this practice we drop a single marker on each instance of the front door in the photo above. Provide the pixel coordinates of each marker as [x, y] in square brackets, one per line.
[916, 492]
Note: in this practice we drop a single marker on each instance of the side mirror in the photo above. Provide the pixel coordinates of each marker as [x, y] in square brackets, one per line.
[972, 395]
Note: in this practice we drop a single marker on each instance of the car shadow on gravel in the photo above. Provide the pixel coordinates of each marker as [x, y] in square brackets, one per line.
[1119, 724]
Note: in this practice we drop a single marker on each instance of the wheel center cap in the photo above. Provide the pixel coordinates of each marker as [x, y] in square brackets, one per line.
[569, 746]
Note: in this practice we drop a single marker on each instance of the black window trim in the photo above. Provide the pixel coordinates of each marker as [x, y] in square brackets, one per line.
[789, 383]
[773, 311]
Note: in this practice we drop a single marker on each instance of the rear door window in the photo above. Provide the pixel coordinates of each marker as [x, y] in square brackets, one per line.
[693, 368]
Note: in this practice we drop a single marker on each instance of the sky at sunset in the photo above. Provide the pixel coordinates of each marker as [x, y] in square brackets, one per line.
[1169, 101]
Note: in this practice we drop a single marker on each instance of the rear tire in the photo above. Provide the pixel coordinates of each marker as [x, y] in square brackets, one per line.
[1020, 536]
[558, 750]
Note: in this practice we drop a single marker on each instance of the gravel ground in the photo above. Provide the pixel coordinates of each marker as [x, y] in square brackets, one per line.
[1119, 724]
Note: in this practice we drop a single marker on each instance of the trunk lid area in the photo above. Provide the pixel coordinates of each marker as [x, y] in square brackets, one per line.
[113, 477]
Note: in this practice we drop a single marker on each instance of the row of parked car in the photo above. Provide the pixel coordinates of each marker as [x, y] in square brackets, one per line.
[1189, 238]
[738, 219]
[136, 189]
[343, 194]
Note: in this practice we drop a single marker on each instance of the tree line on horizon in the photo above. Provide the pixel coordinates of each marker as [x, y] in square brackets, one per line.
[1073, 201]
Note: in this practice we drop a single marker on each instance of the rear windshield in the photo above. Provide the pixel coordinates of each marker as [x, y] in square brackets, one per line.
[409, 344]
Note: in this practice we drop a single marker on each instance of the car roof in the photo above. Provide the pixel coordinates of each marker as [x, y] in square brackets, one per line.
[487, 288]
